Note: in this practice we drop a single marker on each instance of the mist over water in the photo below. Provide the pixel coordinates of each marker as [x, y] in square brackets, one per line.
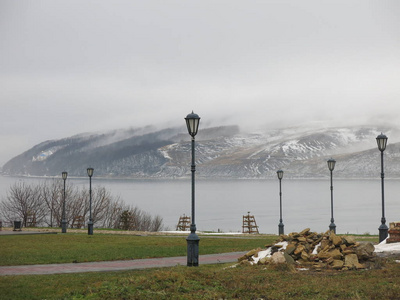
[220, 205]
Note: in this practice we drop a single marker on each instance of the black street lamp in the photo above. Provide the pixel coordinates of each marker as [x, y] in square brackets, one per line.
[64, 221]
[280, 226]
[90, 223]
[383, 229]
[331, 166]
[192, 123]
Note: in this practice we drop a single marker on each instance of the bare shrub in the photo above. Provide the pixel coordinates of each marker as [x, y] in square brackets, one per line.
[42, 204]
[133, 218]
[24, 203]
[112, 214]
[53, 200]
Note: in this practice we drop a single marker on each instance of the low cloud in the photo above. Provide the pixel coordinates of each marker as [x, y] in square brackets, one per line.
[71, 66]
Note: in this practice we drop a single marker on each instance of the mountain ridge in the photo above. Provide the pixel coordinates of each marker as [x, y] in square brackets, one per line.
[221, 152]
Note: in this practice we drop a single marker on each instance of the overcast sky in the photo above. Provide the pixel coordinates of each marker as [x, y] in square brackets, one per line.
[73, 66]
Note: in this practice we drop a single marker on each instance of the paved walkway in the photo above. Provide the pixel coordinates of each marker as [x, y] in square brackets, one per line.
[117, 265]
[10, 232]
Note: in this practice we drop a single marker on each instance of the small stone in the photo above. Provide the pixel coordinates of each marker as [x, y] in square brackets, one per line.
[299, 249]
[336, 240]
[324, 243]
[349, 240]
[323, 255]
[302, 239]
[242, 258]
[265, 260]
[337, 264]
[252, 252]
[335, 254]
[319, 265]
[312, 235]
[278, 258]
[351, 260]
[348, 251]
[246, 262]
[284, 237]
[314, 257]
[305, 256]
[329, 260]
[359, 266]
[289, 259]
[365, 251]
[290, 248]
[305, 231]
[317, 240]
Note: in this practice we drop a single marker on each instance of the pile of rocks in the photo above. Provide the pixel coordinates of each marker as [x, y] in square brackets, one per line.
[317, 251]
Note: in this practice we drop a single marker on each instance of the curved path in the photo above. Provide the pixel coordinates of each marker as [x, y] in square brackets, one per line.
[119, 265]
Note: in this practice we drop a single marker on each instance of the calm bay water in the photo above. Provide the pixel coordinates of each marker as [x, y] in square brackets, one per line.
[221, 204]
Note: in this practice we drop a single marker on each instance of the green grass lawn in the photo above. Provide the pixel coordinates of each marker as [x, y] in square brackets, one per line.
[70, 247]
[208, 282]
[180, 282]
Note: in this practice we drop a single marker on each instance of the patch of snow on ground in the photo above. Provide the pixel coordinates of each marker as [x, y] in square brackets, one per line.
[385, 247]
[261, 254]
[267, 252]
[315, 251]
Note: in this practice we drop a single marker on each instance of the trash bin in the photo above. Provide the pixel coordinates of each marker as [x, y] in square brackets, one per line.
[17, 226]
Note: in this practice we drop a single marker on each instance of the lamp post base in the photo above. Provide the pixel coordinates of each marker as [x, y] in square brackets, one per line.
[90, 228]
[383, 232]
[332, 227]
[193, 250]
[63, 226]
[281, 228]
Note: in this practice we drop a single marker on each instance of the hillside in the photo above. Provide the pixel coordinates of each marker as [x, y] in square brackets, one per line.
[221, 152]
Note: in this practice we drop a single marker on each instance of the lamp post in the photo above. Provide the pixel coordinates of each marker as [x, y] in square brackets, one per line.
[383, 229]
[280, 226]
[331, 166]
[90, 223]
[192, 123]
[63, 221]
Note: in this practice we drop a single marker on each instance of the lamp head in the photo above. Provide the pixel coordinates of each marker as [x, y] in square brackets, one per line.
[90, 172]
[64, 175]
[280, 174]
[331, 164]
[192, 123]
[381, 141]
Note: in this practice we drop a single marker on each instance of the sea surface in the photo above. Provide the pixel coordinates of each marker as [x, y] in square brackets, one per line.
[221, 204]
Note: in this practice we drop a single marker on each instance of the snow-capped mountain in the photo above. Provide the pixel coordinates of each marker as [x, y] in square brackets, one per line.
[221, 152]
